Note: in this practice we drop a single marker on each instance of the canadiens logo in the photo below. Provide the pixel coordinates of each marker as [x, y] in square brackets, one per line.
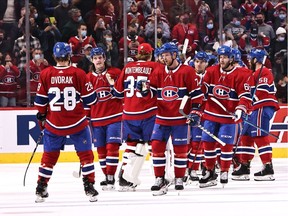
[104, 93]
[169, 93]
[35, 76]
[221, 92]
[9, 80]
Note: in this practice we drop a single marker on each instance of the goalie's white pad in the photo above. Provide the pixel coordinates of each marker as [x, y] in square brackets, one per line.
[134, 164]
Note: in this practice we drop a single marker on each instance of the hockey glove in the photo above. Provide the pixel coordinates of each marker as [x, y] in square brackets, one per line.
[143, 87]
[239, 114]
[194, 117]
[41, 120]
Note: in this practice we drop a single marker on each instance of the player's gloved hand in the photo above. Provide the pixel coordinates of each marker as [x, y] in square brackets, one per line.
[41, 120]
[194, 117]
[239, 114]
[143, 87]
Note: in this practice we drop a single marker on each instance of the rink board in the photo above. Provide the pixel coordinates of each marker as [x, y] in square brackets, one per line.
[19, 132]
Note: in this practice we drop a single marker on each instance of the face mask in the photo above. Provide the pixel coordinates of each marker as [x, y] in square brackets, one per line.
[79, 18]
[46, 25]
[159, 35]
[83, 33]
[108, 39]
[259, 21]
[237, 23]
[37, 56]
[186, 20]
[281, 38]
[253, 35]
[210, 26]
[132, 33]
[282, 16]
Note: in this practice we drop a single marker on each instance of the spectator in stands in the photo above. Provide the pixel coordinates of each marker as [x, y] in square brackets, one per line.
[37, 64]
[133, 41]
[210, 35]
[229, 12]
[264, 28]
[70, 29]
[282, 89]
[8, 85]
[278, 53]
[111, 19]
[99, 28]
[234, 30]
[281, 20]
[78, 42]
[184, 30]
[133, 13]
[111, 49]
[61, 13]
[85, 62]
[249, 7]
[5, 45]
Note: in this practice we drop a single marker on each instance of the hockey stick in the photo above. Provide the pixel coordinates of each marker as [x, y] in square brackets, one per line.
[181, 111]
[77, 174]
[185, 46]
[245, 120]
[37, 143]
[259, 76]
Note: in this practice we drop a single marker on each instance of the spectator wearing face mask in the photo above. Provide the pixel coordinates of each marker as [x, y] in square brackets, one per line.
[263, 27]
[281, 19]
[229, 12]
[279, 53]
[61, 13]
[111, 49]
[37, 64]
[282, 89]
[249, 7]
[210, 36]
[85, 62]
[234, 30]
[79, 41]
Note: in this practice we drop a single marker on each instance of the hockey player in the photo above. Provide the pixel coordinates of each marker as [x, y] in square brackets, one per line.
[138, 115]
[265, 105]
[227, 84]
[171, 83]
[105, 117]
[62, 91]
[195, 155]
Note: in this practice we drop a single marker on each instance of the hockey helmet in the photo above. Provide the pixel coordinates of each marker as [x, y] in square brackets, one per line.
[258, 54]
[97, 51]
[169, 47]
[61, 49]
[225, 50]
[237, 55]
[201, 56]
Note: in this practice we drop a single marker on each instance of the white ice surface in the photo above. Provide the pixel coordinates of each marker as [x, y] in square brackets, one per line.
[67, 195]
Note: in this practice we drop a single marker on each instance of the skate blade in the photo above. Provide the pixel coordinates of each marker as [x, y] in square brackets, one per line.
[39, 199]
[161, 192]
[264, 178]
[241, 178]
[126, 189]
[108, 188]
[205, 185]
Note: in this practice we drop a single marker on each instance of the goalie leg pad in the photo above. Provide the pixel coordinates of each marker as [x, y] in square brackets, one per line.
[135, 162]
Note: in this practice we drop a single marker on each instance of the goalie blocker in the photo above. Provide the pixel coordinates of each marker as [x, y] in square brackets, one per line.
[134, 164]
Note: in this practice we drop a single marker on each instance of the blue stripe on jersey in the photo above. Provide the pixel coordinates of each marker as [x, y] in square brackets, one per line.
[196, 93]
[210, 154]
[232, 94]
[180, 162]
[106, 118]
[192, 156]
[87, 168]
[41, 100]
[46, 172]
[265, 149]
[67, 127]
[159, 161]
[112, 161]
[90, 98]
[226, 155]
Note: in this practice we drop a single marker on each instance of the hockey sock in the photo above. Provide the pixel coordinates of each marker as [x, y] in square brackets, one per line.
[218, 153]
[195, 155]
[226, 157]
[264, 148]
[112, 158]
[247, 149]
[209, 154]
[102, 158]
[158, 157]
[180, 160]
[131, 146]
[87, 163]
[48, 161]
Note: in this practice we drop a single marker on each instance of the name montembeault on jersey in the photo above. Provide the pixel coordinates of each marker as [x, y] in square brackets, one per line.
[62, 80]
[144, 70]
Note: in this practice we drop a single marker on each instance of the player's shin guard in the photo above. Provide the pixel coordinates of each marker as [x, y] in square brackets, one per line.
[180, 160]
[226, 157]
[246, 150]
[48, 161]
[195, 156]
[210, 154]
[102, 152]
[264, 149]
[112, 158]
[87, 163]
[159, 160]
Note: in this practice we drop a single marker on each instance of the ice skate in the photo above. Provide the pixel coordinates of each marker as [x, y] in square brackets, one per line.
[179, 184]
[90, 190]
[41, 191]
[266, 174]
[241, 173]
[224, 178]
[110, 183]
[209, 179]
[160, 186]
[125, 186]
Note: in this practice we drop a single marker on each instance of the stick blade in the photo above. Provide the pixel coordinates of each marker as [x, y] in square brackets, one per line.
[182, 105]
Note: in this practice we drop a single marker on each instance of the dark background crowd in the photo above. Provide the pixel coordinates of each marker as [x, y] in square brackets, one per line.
[85, 24]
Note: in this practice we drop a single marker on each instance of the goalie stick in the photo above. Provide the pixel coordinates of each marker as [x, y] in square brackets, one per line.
[245, 120]
[181, 111]
[33, 153]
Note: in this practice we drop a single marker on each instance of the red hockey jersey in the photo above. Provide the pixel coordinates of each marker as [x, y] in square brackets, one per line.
[230, 88]
[266, 89]
[136, 107]
[78, 47]
[61, 93]
[34, 76]
[109, 108]
[171, 87]
[8, 83]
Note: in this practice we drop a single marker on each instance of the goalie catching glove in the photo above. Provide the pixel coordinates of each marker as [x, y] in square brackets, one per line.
[143, 87]
[194, 117]
[41, 120]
